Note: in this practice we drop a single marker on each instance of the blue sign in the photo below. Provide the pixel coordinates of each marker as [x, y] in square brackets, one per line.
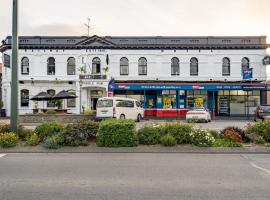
[247, 74]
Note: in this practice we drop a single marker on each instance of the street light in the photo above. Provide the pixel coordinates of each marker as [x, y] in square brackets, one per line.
[14, 69]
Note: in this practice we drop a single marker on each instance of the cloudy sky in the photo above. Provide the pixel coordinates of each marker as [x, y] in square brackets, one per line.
[139, 17]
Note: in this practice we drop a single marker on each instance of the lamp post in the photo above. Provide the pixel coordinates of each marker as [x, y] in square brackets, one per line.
[14, 69]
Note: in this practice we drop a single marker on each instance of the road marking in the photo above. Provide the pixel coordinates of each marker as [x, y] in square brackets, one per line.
[256, 166]
[2, 155]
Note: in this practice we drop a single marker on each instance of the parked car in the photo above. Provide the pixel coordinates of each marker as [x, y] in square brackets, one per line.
[119, 108]
[199, 114]
[262, 112]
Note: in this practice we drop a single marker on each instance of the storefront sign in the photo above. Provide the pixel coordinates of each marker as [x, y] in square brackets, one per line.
[254, 87]
[247, 74]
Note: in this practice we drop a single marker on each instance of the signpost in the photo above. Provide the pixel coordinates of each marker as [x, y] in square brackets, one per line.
[14, 69]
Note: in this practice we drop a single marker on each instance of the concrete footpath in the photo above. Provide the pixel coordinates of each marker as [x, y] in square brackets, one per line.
[92, 148]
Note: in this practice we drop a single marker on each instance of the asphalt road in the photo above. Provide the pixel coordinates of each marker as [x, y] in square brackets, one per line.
[134, 176]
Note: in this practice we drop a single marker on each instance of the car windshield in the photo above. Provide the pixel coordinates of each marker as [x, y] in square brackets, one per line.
[104, 103]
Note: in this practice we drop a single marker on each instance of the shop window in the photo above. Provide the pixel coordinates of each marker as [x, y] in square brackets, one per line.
[25, 66]
[51, 66]
[220, 92]
[226, 68]
[51, 103]
[197, 98]
[175, 67]
[245, 64]
[233, 92]
[124, 66]
[96, 66]
[241, 92]
[227, 92]
[24, 98]
[71, 66]
[71, 103]
[142, 66]
[194, 67]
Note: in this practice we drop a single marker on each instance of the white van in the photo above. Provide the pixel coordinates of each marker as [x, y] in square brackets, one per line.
[119, 108]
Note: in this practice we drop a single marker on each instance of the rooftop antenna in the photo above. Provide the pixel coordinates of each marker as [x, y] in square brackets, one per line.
[88, 26]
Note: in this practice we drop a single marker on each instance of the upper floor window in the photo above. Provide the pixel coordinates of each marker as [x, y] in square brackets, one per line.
[245, 64]
[25, 66]
[142, 66]
[123, 66]
[194, 67]
[71, 66]
[51, 103]
[51, 66]
[175, 68]
[96, 66]
[24, 98]
[226, 67]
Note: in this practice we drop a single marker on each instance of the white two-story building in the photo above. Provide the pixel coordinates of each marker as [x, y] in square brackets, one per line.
[168, 75]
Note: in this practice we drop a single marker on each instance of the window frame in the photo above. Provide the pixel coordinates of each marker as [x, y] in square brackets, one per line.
[27, 98]
[123, 64]
[224, 67]
[142, 66]
[25, 64]
[173, 66]
[51, 66]
[71, 66]
[51, 103]
[197, 66]
[242, 64]
[96, 61]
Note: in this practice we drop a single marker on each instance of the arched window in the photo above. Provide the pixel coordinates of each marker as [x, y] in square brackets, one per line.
[71, 103]
[71, 66]
[194, 67]
[142, 66]
[51, 66]
[226, 67]
[245, 64]
[51, 103]
[96, 67]
[123, 66]
[25, 66]
[175, 68]
[24, 98]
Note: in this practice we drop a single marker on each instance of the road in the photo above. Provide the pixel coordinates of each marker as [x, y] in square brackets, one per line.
[134, 176]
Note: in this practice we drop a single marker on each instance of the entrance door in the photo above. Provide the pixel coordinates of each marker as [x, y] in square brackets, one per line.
[94, 103]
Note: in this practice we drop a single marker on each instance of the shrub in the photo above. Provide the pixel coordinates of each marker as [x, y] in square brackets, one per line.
[267, 144]
[48, 129]
[260, 140]
[261, 128]
[180, 131]
[226, 143]
[117, 133]
[23, 132]
[79, 134]
[8, 139]
[214, 133]
[88, 111]
[5, 128]
[232, 136]
[50, 112]
[235, 130]
[149, 135]
[202, 138]
[31, 140]
[168, 140]
[53, 142]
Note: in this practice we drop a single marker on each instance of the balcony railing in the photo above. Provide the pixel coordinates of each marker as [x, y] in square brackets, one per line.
[93, 76]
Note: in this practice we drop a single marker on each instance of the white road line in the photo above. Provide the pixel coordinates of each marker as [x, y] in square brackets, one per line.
[2, 155]
[260, 168]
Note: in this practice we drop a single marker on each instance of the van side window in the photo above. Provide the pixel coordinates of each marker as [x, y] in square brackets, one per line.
[138, 104]
[126, 104]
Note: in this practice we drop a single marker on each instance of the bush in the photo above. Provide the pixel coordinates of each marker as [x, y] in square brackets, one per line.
[53, 142]
[267, 144]
[8, 139]
[202, 138]
[232, 136]
[235, 130]
[168, 140]
[214, 133]
[117, 133]
[260, 140]
[149, 135]
[80, 133]
[50, 112]
[23, 132]
[88, 111]
[48, 129]
[5, 128]
[226, 143]
[261, 128]
[180, 131]
[31, 140]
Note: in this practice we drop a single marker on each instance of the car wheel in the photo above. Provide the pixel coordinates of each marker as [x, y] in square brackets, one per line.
[122, 116]
[139, 118]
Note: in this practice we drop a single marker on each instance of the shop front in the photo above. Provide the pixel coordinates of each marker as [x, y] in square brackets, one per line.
[164, 100]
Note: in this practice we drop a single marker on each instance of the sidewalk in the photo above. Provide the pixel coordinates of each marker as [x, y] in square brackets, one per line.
[92, 148]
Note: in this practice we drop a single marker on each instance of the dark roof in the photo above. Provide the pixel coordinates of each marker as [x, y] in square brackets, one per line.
[134, 42]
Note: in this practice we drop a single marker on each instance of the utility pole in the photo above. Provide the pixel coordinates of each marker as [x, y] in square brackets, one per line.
[88, 26]
[14, 69]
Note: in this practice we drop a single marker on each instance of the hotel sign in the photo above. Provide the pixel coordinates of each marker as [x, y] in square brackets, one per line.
[266, 60]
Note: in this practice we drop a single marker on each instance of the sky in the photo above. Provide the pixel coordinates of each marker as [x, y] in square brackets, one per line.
[139, 17]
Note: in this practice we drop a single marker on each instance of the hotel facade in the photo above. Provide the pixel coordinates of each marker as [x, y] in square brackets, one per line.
[168, 75]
